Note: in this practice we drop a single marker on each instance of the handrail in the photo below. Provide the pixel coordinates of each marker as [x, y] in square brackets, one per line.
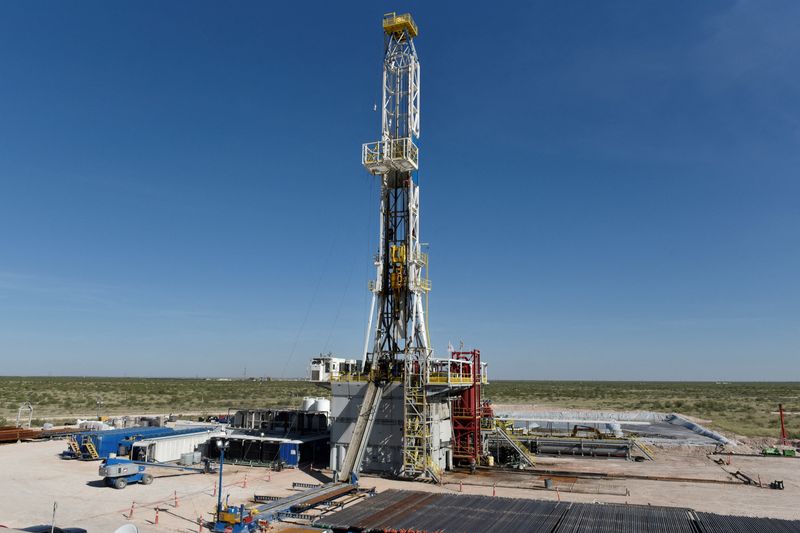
[393, 23]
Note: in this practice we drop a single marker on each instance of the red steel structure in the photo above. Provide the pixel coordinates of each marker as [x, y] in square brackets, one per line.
[467, 408]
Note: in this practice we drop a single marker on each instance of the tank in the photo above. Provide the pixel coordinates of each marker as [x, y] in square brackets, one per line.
[188, 458]
[322, 405]
[308, 404]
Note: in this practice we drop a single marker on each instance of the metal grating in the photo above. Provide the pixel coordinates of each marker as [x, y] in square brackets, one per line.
[397, 510]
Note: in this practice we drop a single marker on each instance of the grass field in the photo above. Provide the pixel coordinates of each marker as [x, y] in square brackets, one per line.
[738, 408]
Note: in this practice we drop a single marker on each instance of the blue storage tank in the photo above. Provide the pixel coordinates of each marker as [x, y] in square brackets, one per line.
[289, 452]
[119, 441]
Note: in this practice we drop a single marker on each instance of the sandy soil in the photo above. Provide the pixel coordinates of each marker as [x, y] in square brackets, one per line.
[34, 477]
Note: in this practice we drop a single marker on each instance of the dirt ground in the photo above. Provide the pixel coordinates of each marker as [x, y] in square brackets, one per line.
[35, 477]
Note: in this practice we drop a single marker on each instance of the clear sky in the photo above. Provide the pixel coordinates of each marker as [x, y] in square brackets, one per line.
[610, 190]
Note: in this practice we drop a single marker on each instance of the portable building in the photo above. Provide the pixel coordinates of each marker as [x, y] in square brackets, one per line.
[271, 451]
[171, 447]
[99, 444]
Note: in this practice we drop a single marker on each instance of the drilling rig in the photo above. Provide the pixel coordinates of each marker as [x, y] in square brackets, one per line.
[393, 415]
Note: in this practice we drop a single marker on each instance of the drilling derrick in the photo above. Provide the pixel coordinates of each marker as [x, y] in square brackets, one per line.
[391, 411]
[401, 347]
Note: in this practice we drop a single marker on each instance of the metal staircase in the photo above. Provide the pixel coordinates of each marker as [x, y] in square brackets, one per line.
[645, 449]
[416, 425]
[74, 447]
[522, 450]
[89, 445]
[361, 431]
[435, 472]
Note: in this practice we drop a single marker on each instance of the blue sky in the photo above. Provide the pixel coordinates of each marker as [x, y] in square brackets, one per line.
[610, 190]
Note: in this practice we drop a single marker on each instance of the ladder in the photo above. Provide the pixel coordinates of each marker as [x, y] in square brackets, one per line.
[74, 447]
[89, 445]
[524, 453]
[358, 443]
[416, 426]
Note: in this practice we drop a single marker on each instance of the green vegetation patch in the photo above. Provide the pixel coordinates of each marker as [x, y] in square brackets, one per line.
[740, 408]
[737, 408]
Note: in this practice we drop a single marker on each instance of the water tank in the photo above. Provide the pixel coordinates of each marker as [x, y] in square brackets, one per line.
[308, 403]
[615, 428]
[187, 458]
[322, 405]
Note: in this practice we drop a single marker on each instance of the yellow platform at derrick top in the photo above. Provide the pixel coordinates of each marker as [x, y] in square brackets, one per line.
[394, 23]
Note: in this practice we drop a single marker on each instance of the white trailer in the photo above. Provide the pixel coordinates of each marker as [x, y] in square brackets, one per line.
[170, 448]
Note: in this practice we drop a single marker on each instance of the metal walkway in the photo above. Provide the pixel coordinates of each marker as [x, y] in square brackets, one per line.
[298, 502]
[645, 449]
[524, 453]
[358, 443]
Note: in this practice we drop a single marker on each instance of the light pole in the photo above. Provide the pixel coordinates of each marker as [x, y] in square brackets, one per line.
[222, 445]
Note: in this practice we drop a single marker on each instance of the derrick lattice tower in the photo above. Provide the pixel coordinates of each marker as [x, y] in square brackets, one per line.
[400, 347]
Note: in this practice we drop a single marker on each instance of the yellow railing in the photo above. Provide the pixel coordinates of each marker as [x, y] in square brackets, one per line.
[434, 377]
[435, 469]
[424, 284]
[352, 377]
[420, 258]
[452, 378]
[458, 379]
[394, 23]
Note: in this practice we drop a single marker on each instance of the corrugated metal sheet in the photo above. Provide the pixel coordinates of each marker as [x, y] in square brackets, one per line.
[395, 510]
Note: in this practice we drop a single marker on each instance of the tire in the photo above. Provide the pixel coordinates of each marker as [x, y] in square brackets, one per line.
[147, 479]
[120, 483]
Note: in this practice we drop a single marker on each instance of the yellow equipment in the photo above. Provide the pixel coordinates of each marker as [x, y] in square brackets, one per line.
[397, 253]
[396, 24]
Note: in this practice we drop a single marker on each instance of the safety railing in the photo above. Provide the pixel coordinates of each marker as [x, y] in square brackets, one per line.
[380, 157]
[421, 284]
[373, 157]
[394, 23]
[351, 377]
[435, 470]
[404, 154]
[420, 258]
[524, 452]
[444, 377]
